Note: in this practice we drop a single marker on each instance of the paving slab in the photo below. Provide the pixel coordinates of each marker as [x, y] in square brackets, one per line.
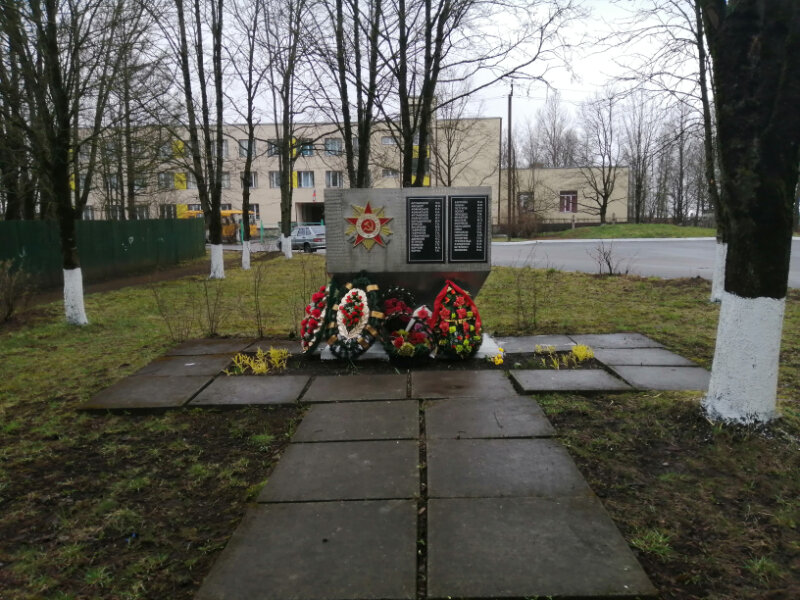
[319, 551]
[529, 547]
[665, 378]
[252, 390]
[457, 383]
[616, 340]
[210, 346]
[345, 471]
[494, 468]
[357, 388]
[641, 357]
[528, 343]
[461, 418]
[179, 366]
[353, 421]
[292, 346]
[566, 380]
[147, 393]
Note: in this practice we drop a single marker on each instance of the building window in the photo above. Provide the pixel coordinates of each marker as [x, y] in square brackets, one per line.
[194, 207]
[167, 211]
[387, 140]
[255, 209]
[307, 148]
[224, 148]
[274, 179]
[114, 212]
[226, 206]
[139, 183]
[165, 180]
[273, 147]
[390, 173]
[333, 179]
[333, 146]
[568, 201]
[252, 182]
[525, 202]
[112, 182]
[225, 180]
[85, 152]
[165, 150]
[305, 179]
[142, 211]
[88, 213]
[245, 147]
[191, 182]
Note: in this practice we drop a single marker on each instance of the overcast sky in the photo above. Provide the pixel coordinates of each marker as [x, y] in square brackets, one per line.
[593, 66]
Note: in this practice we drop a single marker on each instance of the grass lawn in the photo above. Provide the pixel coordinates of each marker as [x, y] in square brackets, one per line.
[99, 506]
[622, 231]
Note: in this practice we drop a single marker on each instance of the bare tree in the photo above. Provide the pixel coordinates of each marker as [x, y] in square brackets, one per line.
[640, 129]
[755, 46]
[205, 130]
[558, 142]
[601, 154]
[250, 67]
[64, 58]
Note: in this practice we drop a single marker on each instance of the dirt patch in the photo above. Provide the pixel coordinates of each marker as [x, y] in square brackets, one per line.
[133, 506]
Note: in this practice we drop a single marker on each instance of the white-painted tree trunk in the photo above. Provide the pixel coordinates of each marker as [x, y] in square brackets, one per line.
[245, 256]
[744, 375]
[718, 279]
[217, 264]
[73, 297]
[286, 246]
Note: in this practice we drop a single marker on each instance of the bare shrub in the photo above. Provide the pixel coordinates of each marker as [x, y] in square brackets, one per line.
[608, 263]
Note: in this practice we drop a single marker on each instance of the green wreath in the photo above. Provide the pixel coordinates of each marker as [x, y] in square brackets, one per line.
[356, 320]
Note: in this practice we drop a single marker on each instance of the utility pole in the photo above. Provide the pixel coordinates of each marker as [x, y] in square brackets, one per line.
[509, 163]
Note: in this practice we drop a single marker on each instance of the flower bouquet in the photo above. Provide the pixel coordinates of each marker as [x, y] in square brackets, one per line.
[414, 342]
[455, 322]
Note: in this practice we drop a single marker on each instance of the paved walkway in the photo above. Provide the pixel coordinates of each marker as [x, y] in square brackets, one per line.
[435, 484]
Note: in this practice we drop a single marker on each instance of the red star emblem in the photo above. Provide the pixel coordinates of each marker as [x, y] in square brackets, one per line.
[369, 227]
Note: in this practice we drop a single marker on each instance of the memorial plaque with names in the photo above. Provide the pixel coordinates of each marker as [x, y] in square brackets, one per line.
[468, 228]
[425, 229]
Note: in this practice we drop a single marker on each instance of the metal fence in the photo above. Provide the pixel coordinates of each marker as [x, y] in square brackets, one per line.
[105, 248]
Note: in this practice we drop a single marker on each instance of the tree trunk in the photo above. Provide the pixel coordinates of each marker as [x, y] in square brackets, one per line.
[756, 52]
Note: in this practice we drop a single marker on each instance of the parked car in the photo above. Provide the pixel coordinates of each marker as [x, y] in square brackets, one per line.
[307, 238]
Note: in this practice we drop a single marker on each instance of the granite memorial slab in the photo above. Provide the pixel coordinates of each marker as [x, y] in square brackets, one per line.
[147, 393]
[616, 340]
[252, 390]
[171, 366]
[319, 551]
[566, 380]
[641, 357]
[461, 418]
[460, 383]
[501, 467]
[665, 378]
[357, 388]
[528, 343]
[529, 548]
[356, 421]
[210, 346]
[345, 471]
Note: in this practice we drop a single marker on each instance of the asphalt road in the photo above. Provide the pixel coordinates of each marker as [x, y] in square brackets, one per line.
[667, 258]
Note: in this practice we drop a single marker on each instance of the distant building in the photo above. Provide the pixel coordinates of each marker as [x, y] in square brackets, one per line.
[564, 195]
[463, 153]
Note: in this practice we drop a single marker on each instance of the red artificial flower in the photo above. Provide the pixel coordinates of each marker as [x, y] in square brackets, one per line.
[444, 327]
[466, 326]
[316, 313]
[444, 313]
[460, 301]
[461, 312]
[416, 338]
[397, 342]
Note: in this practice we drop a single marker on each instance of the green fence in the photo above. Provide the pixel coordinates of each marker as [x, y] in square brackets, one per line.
[105, 248]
